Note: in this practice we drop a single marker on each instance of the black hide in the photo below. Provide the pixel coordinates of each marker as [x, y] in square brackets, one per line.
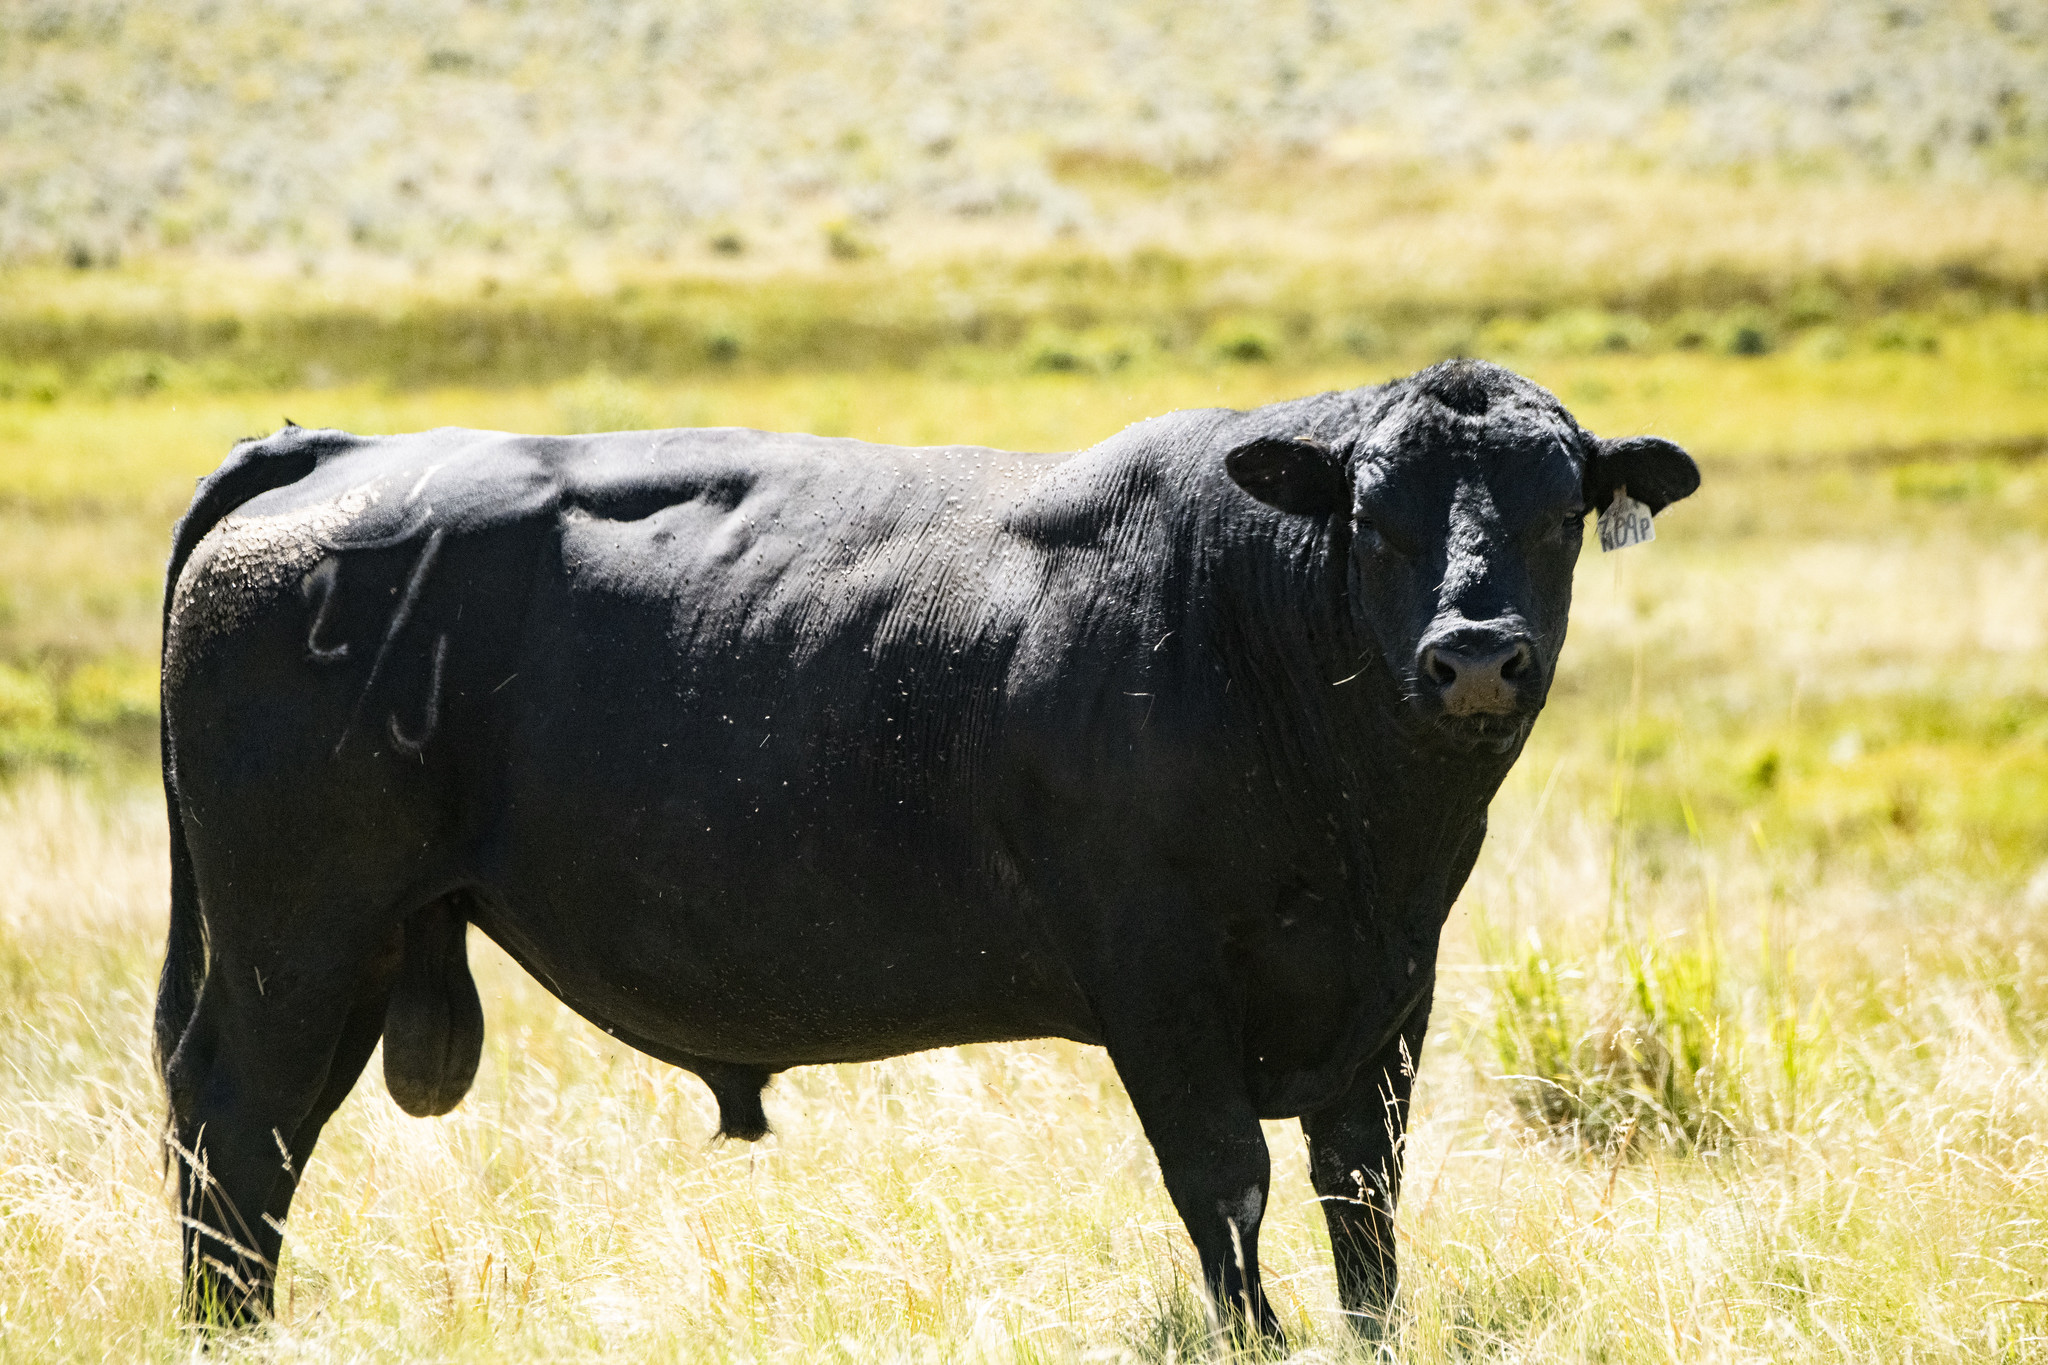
[764, 750]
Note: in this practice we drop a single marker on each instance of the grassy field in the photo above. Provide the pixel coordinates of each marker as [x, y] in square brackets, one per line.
[1741, 1054]
[1741, 1051]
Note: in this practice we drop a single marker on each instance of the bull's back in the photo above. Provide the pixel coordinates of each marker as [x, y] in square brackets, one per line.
[732, 528]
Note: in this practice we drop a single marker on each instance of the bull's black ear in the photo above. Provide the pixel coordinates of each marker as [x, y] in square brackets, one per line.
[1655, 472]
[1294, 476]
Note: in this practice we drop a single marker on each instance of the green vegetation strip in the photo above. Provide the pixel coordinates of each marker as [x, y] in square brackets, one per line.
[1060, 314]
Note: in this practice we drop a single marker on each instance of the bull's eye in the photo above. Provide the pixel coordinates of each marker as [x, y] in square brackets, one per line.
[1370, 536]
[1375, 536]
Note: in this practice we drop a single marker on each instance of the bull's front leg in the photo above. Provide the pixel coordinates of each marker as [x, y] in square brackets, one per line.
[1167, 1032]
[1355, 1148]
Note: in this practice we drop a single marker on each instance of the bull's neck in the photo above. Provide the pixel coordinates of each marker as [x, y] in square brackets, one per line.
[1319, 711]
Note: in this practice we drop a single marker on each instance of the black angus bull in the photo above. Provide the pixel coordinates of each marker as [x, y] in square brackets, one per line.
[764, 750]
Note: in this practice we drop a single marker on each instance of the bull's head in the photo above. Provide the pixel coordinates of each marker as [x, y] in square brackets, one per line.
[1466, 489]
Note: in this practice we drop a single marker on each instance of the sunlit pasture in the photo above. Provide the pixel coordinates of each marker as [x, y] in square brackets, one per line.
[1740, 1042]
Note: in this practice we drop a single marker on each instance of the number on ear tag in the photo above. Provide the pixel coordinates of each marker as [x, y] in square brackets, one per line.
[1625, 522]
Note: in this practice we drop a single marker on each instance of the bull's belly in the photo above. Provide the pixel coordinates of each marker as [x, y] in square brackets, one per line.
[728, 945]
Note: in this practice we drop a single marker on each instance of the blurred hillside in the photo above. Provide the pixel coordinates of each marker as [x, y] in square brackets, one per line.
[527, 138]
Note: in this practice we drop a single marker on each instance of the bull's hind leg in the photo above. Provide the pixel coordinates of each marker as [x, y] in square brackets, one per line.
[266, 1059]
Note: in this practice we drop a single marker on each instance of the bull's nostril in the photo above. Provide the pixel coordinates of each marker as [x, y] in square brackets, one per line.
[1518, 663]
[1441, 670]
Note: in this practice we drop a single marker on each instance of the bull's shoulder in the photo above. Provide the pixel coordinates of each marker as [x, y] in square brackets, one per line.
[1146, 475]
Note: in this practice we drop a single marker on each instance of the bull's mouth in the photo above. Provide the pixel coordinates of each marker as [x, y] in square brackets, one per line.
[1488, 732]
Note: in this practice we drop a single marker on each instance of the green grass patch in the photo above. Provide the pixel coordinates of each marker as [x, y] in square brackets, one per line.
[1063, 313]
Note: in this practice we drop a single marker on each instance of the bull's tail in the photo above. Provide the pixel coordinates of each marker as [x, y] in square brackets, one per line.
[177, 992]
[252, 468]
